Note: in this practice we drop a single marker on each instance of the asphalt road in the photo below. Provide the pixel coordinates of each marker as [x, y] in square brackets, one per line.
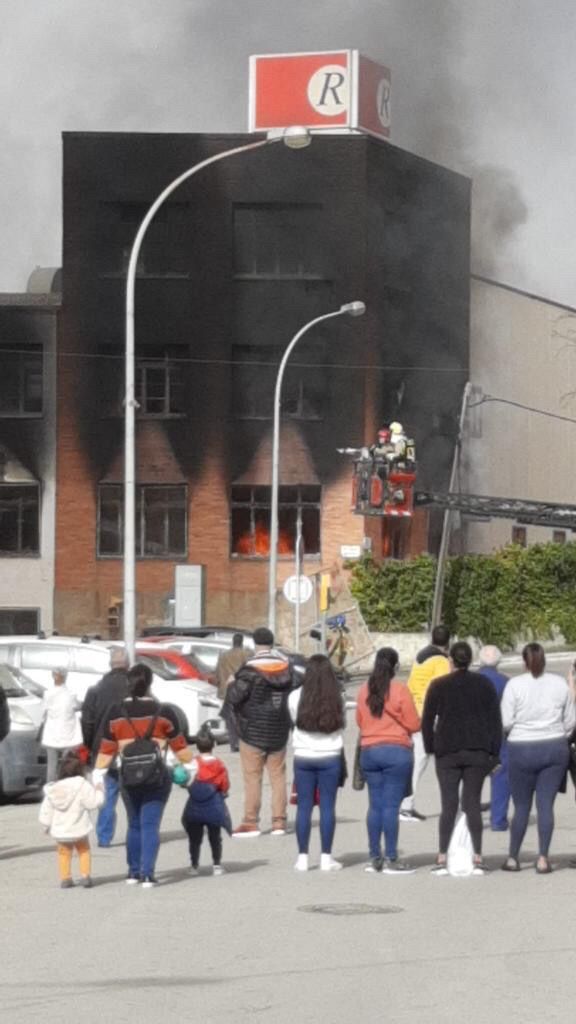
[263, 943]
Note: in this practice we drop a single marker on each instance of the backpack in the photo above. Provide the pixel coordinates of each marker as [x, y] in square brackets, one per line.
[142, 761]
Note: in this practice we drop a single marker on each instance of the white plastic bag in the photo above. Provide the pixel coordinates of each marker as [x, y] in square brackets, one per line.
[460, 851]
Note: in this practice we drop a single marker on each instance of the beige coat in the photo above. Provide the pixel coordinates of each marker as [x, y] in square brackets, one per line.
[65, 809]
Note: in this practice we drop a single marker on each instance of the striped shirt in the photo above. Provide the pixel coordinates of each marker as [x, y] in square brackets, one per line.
[120, 731]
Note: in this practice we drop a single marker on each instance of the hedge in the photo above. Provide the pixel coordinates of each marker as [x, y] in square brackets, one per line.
[513, 594]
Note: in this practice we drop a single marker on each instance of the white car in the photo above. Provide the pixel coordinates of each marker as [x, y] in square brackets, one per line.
[87, 661]
[22, 760]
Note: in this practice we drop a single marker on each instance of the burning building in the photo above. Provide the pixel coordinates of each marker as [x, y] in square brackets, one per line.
[234, 263]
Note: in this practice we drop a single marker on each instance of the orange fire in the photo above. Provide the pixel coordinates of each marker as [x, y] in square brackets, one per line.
[261, 543]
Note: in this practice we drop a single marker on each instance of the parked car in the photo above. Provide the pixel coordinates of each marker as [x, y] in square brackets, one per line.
[22, 760]
[86, 661]
[173, 662]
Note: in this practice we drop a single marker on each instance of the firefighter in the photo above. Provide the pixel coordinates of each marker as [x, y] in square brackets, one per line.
[398, 441]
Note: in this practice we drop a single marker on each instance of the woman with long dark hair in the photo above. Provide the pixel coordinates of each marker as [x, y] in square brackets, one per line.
[317, 711]
[538, 716]
[387, 718]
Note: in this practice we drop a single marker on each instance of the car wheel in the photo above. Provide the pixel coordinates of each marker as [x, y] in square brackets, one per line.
[181, 719]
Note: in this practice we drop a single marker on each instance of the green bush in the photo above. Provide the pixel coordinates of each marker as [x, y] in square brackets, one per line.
[502, 598]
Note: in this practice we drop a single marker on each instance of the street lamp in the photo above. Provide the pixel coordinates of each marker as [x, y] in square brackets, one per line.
[295, 138]
[349, 309]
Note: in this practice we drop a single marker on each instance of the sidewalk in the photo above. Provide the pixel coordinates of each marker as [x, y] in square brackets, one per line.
[260, 943]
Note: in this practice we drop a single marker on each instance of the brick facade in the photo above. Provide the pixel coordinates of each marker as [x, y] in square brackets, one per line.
[381, 245]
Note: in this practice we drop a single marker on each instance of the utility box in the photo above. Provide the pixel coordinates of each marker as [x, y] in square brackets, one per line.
[189, 595]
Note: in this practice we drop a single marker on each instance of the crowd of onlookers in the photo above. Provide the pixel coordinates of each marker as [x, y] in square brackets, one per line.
[476, 724]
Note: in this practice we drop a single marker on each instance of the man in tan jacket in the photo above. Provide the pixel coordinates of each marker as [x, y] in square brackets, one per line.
[228, 664]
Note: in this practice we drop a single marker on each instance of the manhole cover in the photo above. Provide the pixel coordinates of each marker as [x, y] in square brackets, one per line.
[347, 909]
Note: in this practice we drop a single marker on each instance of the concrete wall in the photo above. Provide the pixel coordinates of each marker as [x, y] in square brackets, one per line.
[523, 349]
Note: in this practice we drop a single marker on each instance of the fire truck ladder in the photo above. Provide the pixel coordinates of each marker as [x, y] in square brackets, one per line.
[535, 513]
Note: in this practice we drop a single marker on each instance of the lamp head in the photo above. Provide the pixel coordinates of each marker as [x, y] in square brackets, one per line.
[353, 308]
[295, 137]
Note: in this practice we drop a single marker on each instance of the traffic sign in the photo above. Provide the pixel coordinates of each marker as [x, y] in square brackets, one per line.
[298, 589]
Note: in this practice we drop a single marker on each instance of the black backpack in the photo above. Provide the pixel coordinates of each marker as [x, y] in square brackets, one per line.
[142, 761]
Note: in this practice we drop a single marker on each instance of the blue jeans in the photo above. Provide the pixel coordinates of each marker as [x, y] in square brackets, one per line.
[500, 793]
[106, 823]
[387, 769]
[144, 807]
[535, 768]
[322, 773]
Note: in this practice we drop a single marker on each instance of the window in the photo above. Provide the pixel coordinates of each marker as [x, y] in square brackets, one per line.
[395, 537]
[519, 536]
[45, 656]
[19, 519]
[250, 520]
[161, 521]
[558, 537]
[279, 240]
[159, 387]
[304, 387]
[23, 621]
[21, 381]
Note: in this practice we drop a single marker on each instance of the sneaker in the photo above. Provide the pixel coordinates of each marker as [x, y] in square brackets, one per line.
[327, 863]
[133, 879]
[439, 869]
[479, 868]
[278, 832]
[302, 862]
[375, 866]
[66, 883]
[396, 867]
[411, 816]
[86, 882]
[218, 870]
[149, 882]
[194, 871]
[246, 832]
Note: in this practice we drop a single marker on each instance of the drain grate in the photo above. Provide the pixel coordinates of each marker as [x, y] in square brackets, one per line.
[349, 909]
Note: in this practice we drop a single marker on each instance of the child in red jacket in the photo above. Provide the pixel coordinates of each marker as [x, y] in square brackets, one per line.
[206, 805]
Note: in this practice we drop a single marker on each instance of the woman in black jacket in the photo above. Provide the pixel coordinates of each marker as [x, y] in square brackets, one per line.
[462, 727]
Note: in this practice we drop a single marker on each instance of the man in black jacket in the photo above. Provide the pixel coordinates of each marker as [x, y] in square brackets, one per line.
[98, 702]
[462, 727]
[259, 698]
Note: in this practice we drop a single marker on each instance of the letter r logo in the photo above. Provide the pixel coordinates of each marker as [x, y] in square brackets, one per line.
[329, 90]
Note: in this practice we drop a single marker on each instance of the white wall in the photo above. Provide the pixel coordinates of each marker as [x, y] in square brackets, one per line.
[523, 349]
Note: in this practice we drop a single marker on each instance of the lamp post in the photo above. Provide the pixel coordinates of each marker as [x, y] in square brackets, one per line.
[349, 309]
[295, 138]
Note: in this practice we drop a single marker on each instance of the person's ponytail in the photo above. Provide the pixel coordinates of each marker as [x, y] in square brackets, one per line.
[380, 679]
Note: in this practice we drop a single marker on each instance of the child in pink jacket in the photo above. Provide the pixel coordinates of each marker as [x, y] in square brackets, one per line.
[65, 815]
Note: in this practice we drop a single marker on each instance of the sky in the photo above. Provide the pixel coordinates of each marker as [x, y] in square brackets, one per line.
[483, 86]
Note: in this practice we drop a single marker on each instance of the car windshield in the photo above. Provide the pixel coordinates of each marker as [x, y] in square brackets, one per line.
[158, 666]
[28, 684]
[10, 684]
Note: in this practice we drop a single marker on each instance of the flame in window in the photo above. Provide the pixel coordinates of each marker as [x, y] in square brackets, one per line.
[259, 542]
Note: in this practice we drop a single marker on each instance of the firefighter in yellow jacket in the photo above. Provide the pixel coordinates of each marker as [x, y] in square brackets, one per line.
[431, 663]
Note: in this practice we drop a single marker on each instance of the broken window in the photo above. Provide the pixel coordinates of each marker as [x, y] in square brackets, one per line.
[298, 510]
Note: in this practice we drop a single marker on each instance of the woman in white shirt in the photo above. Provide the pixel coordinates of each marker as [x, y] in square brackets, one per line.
[61, 730]
[317, 711]
[538, 716]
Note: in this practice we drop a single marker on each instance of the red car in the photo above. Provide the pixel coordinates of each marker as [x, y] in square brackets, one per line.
[170, 664]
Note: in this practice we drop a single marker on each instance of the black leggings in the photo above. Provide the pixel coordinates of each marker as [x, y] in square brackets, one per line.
[469, 767]
[196, 834]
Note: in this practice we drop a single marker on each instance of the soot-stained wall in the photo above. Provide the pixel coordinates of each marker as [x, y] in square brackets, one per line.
[355, 218]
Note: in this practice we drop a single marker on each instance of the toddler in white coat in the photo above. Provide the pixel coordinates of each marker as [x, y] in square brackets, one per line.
[65, 814]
